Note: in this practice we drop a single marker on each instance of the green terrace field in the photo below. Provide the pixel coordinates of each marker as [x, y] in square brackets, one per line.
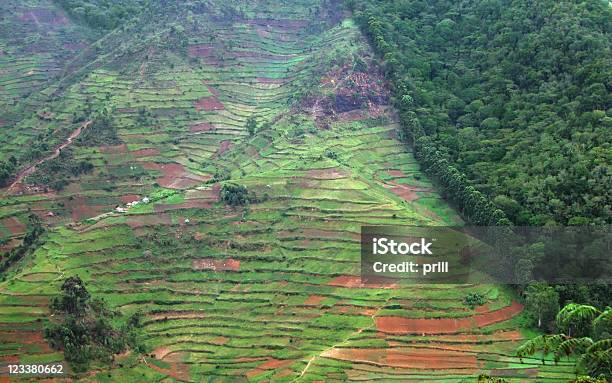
[265, 292]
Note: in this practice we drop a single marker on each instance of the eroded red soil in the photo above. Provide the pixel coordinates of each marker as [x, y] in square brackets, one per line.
[411, 358]
[400, 325]
[202, 127]
[208, 104]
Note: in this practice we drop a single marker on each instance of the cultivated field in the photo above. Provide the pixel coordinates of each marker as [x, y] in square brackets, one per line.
[267, 292]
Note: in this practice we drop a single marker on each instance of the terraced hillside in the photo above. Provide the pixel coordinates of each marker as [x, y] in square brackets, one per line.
[266, 292]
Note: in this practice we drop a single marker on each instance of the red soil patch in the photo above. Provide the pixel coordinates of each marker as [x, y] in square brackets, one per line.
[116, 149]
[202, 127]
[419, 359]
[129, 198]
[14, 225]
[175, 176]
[224, 146]
[148, 152]
[208, 104]
[314, 300]
[399, 325]
[228, 264]
[80, 209]
[351, 281]
[177, 371]
[160, 352]
[482, 309]
[407, 193]
[271, 364]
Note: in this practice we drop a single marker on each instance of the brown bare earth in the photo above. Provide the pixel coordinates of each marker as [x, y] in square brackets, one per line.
[408, 358]
[271, 364]
[129, 198]
[147, 152]
[224, 147]
[313, 300]
[208, 104]
[202, 127]
[400, 325]
[14, 225]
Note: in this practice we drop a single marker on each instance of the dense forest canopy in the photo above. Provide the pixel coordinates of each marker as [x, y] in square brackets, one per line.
[515, 94]
[103, 14]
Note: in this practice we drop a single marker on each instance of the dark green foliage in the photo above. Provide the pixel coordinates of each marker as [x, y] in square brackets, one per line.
[483, 378]
[7, 168]
[588, 339]
[588, 379]
[220, 175]
[74, 299]
[474, 299]
[542, 301]
[30, 242]
[56, 173]
[513, 94]
[103, 14]
[251, 125]
[85, 331]
[101, 131]
[235, 195]
[331, 154]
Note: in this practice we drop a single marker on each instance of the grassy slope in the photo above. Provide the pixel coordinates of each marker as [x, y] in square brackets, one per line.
[282, 314]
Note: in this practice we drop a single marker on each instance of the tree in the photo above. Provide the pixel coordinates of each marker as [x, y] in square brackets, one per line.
[593, 351]
[577, 318]
[542, 300]
[234, 195]
[251, 125]
[483, 378]
[75, 298]
[82, 327]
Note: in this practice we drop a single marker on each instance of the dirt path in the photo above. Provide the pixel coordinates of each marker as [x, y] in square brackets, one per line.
[32, 168]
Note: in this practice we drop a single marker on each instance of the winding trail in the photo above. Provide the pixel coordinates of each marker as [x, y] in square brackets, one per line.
[56, 152]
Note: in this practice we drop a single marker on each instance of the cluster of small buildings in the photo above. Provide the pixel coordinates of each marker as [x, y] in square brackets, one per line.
[121, 209]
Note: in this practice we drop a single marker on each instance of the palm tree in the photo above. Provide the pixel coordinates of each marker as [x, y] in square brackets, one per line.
[594, 355]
